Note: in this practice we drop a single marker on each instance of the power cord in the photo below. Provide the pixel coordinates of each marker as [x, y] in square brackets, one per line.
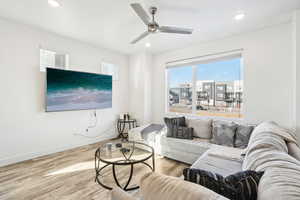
[109, 130]
[96, 122]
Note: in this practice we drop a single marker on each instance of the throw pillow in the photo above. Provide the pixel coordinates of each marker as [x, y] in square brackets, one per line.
[214, 182]
[240, 186]
[242, 135]
[246, 183]
[172, 123]
[182, 132]
[177, 128]
[223, 133]
[202, 128]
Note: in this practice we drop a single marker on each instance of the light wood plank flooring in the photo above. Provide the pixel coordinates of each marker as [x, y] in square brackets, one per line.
[69, 175]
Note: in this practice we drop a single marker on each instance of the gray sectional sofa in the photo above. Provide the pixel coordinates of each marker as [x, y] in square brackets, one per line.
[271, 149]
[184, 150]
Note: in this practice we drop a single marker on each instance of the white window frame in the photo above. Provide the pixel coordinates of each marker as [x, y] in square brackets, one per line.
[110, 69]
[194, 62]
[43, 68]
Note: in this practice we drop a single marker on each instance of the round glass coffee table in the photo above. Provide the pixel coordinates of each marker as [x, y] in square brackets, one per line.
[122, 154]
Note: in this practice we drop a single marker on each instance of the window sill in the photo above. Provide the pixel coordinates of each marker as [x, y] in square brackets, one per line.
[195, 116]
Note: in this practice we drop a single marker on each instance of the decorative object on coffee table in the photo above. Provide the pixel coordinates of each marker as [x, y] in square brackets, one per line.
[121, 124]
[127, 154]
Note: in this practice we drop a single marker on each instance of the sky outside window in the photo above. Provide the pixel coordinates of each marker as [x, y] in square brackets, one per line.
[228, 70]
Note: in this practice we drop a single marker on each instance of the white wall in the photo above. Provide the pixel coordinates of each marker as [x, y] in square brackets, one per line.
[140, 76]
[26, 131]
[268, 73]
[296, 23]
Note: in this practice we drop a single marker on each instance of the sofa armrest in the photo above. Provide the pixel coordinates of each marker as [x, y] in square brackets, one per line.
[118, 194]
[134, 134]
[293, 150]
[161, 187]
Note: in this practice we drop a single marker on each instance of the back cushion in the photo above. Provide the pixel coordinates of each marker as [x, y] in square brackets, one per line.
[223, 133]
[242, 136]
[202, 128]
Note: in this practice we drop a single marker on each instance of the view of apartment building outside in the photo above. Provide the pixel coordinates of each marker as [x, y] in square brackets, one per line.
[221, 96]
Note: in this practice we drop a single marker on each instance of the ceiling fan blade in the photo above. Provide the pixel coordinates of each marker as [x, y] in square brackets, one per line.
[141, 12]
[171, 29]
[146, 33]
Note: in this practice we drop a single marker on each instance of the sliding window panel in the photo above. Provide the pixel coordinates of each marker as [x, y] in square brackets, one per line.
[180, 89]
[219, 88]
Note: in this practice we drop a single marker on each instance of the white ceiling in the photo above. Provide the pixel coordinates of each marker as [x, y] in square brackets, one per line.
[113, 24]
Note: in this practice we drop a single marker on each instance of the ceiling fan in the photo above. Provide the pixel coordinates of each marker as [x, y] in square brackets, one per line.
[152, 25]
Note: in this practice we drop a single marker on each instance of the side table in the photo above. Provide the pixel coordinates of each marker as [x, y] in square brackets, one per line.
[121, 127]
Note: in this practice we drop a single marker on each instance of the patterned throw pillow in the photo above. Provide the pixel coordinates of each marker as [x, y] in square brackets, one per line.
[183, 133]
[172, 123]
[223, 133]
[242, 136]
[246, 183]
[214, 182]
[177, 128]
[240, 186]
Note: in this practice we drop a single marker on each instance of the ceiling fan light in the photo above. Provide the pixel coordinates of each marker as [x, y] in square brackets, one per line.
[148, 44]
[239, 16]
[53, 3]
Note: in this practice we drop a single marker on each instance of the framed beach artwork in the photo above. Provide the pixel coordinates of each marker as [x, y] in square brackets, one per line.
[72, 90]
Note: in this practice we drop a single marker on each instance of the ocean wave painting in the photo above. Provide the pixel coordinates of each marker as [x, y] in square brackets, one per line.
[70, 90]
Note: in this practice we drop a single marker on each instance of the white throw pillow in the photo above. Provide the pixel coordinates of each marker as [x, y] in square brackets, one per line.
[202, 127]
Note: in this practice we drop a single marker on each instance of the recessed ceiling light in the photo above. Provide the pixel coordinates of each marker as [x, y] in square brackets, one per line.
[53, 3]
[239, 16]
[148, 44]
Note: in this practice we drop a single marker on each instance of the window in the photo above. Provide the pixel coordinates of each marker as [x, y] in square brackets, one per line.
[207, 88]
[110, 69]
[180, 89]
[53, 59]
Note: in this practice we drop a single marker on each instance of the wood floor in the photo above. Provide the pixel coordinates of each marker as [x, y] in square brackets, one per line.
[69, 175]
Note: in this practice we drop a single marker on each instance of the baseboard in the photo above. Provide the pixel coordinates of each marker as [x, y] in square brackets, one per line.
[31, 155]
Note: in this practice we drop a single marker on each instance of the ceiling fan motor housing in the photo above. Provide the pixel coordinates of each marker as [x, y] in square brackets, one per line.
[153, 27]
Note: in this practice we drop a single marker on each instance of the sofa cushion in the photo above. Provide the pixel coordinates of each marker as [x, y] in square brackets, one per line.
[196, 145]
[242, 135]
[162, 187]
[202, 127]
[119, 194]
[223, 132]
[221, 160]
[187, 151]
